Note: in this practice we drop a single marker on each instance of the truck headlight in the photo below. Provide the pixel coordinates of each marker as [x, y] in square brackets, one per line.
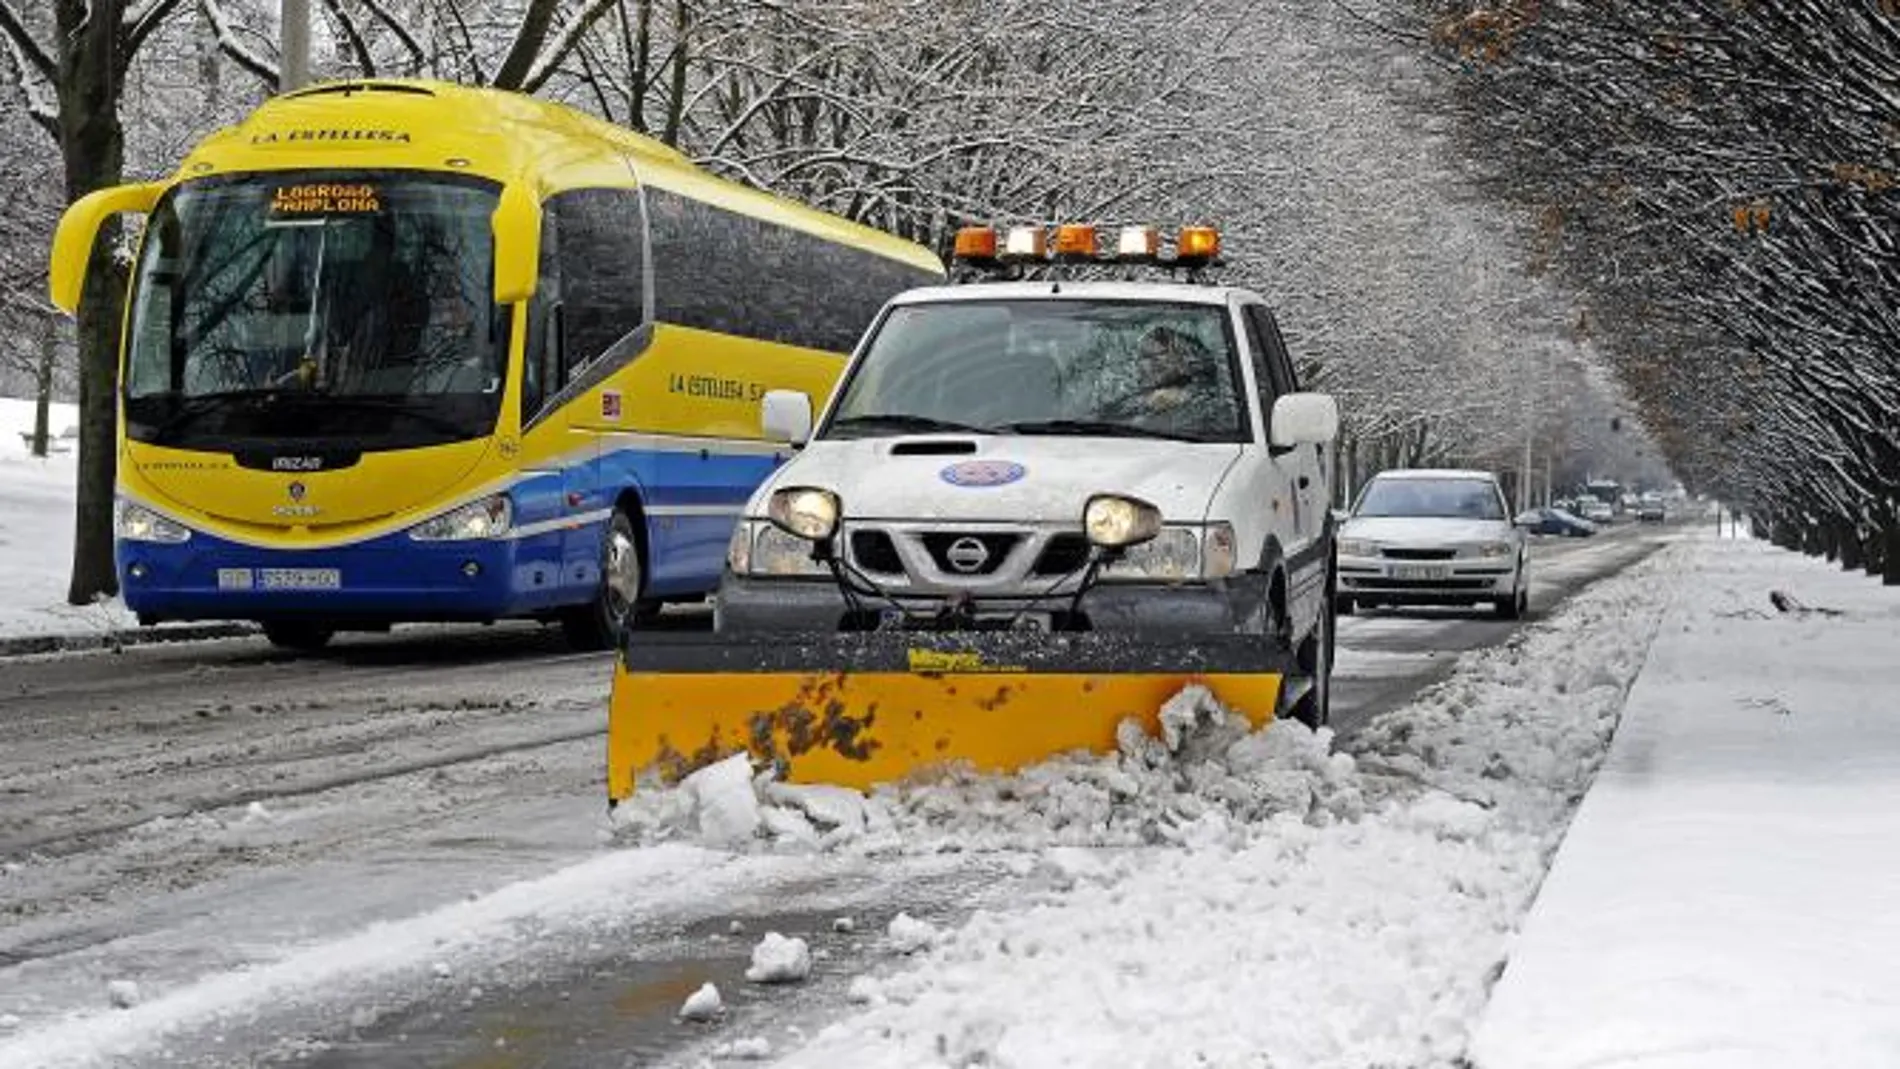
[1115, 522]
[1173, 555]
[1494, 549]
[805, 511]
[1358, 547]
[491, 517]
[780, 553]
[136, 523]
[1218, 551]
[739, 548]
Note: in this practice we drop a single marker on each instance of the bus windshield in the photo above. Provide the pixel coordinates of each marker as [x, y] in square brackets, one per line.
[317, 305]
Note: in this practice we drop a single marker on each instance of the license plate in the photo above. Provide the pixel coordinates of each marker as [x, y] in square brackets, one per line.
[300, 579]
[1420, 571]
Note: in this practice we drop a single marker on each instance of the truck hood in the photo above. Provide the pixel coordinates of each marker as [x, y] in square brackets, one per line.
[1013, 478]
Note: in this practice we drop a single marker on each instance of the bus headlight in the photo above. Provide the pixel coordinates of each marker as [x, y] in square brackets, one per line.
[491, 517]
[136, 523]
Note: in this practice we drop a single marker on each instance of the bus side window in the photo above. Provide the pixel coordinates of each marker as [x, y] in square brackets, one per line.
[731, 274]
[603, 284]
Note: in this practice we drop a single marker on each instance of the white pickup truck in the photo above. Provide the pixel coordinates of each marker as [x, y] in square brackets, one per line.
[1132, 457]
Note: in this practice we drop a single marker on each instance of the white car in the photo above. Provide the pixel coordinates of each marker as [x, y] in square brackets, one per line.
[1597, 510]
[1433, 537]
[1130, 457]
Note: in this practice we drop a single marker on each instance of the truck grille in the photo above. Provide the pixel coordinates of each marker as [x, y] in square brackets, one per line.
[953, 551]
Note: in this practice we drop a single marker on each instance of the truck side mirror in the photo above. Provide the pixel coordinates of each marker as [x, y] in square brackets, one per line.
[1304, 419]
[785, 416]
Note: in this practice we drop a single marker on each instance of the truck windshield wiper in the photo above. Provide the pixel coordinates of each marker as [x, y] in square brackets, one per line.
[1095, 427]
[903, 422]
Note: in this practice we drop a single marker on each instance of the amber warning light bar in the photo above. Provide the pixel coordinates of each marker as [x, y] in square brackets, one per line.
[1081, 243]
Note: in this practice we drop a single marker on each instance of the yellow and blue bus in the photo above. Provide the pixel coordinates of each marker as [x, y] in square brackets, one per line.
[404, 351]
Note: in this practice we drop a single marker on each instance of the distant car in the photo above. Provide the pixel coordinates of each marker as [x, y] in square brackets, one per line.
[1598, 511]
[1555, 521]
[1433, 537]
[1651, 510]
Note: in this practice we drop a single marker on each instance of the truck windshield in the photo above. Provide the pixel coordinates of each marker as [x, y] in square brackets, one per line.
[1060, 367]
[1464, 499]
[315, 306]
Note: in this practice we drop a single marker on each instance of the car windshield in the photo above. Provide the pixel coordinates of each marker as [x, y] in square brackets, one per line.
[317, 305]
[1464, 499]
[1079, 367]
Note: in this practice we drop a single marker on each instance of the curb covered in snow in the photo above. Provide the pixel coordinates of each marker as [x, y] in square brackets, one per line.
[30, 645]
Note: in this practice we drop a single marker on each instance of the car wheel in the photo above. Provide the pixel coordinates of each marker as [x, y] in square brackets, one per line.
[617, 609]
[297, 635]
[1344, 605]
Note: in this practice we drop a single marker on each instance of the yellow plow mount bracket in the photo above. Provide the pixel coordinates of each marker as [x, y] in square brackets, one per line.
[856, 710]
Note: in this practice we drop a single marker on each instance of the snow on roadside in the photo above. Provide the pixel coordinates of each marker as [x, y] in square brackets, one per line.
[36, 534]
[1261, 893]
[1725, 896]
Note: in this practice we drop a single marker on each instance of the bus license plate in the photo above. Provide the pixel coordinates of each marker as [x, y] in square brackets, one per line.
[1420, 571]
[300, 579]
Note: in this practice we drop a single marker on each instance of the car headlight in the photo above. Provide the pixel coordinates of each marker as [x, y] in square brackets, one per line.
[805, 511]
[1358, 547]
[491, 517]
[136, 523]
[1495, 549]
[1173, 555]
[1115, 522]
[780, 553]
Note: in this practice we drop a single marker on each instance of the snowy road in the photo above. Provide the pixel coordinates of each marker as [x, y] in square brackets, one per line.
[173, 814]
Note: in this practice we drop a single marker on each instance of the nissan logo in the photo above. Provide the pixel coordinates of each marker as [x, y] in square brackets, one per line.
[967, 555]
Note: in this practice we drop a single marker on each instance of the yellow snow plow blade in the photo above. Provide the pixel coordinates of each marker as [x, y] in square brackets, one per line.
[856, 710]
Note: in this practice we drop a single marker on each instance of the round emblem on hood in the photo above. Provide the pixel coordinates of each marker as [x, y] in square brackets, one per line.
[296, 491]
[983, 473]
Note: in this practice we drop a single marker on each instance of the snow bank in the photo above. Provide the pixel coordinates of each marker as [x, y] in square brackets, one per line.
[1726, 895]
[1210, 895]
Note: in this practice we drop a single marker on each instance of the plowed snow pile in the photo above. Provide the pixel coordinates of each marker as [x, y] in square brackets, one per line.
[1262, 899]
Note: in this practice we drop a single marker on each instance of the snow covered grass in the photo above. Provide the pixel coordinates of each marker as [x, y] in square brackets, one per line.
[1725, 898]
[1225, 898]
[36, 532]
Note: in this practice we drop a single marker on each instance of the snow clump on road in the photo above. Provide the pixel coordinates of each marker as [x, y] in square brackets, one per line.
[779, 960]
[703, 1004]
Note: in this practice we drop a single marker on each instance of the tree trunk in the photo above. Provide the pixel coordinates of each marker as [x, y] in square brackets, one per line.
[1850, 549]
[1890, 554]
[93, 146]
[43, 386]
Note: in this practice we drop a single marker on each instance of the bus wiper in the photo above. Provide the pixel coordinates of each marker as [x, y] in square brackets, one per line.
[405, 405]
[190, 408]
[904, 422]
[1096, 427]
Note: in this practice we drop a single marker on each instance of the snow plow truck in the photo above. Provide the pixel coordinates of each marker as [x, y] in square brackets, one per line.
[1034, 507]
